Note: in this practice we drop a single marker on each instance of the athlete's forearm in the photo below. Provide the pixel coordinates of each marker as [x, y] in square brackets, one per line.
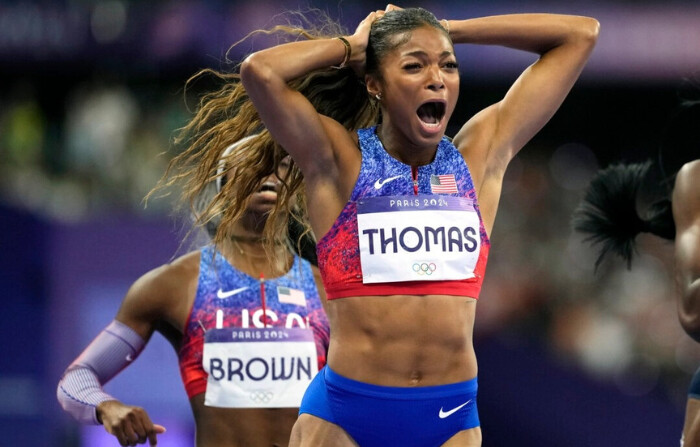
[80, 392]
[537, 33]
[80, 389]
[284, 63]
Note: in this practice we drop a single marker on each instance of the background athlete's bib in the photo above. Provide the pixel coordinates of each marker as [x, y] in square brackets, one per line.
[417, 238]
[258, 368]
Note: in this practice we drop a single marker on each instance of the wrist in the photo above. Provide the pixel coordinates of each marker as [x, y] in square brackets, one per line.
[357, 46]
[347, 55]
[445, 24]
[100, 408]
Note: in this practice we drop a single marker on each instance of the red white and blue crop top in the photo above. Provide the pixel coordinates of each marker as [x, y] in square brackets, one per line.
[399, 222]
[238, 295]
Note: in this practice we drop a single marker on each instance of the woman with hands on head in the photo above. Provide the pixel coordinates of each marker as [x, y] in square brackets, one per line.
[402, 212]
[215, 305]
[402, 368]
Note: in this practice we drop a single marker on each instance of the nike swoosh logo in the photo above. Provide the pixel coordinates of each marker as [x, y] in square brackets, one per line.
[221, 294]
[379, 183]
[444, 414]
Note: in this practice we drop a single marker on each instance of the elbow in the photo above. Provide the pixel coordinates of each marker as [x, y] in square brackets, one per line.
[588, 30]
[689, 311]
[593, 30]
[690, 322]
[60, 394]
[692, 328]
[254, 72]
[578, 34]
[249, 68]
[64, 399]
[592, 27]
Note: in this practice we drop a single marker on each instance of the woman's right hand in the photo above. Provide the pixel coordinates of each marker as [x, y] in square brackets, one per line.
[130, 425]
[358, 42]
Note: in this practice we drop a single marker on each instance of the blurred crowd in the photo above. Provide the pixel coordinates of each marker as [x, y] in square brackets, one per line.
[617, 324]
[105, 152]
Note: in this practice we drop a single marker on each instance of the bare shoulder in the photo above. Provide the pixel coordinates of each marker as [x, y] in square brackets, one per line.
[686, 194]
[687, 177]
[170, 277]
[161, 294]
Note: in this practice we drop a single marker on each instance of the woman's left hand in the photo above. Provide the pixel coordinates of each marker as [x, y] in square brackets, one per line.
[358, 42]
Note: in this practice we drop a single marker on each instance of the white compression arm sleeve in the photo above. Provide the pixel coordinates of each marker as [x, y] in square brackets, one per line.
[80, 389]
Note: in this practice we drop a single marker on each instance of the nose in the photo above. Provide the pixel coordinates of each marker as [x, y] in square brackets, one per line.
[435, 80]
[272, 178]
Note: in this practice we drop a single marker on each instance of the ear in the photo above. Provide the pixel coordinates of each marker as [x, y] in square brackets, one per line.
[373, 85]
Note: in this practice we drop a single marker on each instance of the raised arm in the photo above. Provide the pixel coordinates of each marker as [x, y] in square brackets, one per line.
[686, 214]
[287, 114]
[494, 136]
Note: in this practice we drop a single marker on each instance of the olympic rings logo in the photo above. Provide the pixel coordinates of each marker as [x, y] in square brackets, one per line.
[261, 397]
[424, 268]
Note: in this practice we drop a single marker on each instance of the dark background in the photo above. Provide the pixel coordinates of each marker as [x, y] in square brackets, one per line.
[91, 93]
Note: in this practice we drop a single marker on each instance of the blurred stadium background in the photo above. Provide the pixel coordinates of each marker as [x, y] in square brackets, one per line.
[91, 93]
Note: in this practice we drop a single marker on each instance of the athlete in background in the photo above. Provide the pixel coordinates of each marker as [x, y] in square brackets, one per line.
[215, 305]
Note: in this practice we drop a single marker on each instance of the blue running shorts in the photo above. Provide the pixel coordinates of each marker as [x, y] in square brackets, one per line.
[376, 415]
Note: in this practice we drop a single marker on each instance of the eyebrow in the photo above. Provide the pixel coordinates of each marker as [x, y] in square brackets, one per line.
[423, 53]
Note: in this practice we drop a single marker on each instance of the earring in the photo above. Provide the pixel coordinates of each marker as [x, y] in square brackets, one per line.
[378, 96]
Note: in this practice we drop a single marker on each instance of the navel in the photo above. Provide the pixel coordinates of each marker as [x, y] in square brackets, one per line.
[416, 378]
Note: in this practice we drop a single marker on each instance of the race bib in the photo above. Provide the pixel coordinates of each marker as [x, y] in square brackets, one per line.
[417, 238]
[258, 368]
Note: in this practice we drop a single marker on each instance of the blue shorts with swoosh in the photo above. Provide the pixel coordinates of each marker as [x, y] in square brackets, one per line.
[379, 416]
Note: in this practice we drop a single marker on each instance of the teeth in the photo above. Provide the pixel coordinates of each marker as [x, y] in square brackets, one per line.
[431, 125]
[430, 114]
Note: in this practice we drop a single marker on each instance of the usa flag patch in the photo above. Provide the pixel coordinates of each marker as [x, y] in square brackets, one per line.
[443, 184]
[287, 295]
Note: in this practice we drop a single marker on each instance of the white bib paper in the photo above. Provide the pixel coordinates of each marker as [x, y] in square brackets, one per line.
[417, 238]
[258, 368]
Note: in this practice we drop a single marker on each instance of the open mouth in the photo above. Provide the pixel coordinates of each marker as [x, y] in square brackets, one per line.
[268, 187]
[431, 113]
